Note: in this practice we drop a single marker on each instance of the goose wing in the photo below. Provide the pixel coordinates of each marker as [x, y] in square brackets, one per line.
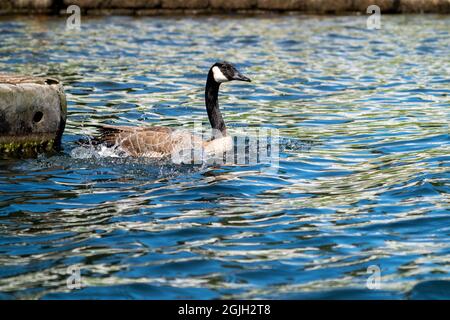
[152, 141]
[137, 141]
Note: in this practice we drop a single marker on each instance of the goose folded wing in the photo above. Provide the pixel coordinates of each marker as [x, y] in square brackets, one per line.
[137, 141]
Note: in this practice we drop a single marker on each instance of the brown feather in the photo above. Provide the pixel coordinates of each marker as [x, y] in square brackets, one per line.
[148, 141]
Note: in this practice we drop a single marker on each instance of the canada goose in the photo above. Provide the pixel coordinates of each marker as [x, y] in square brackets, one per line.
[159, 142]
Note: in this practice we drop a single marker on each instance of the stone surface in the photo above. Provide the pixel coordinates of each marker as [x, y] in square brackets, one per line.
[86, 4]
[232, 4]
[281, 4]
[176, 7]
[32, 114]
[26, 6]
[326, 6]
[32, 4]
[425, 6]
[386, 6]
[126, 4]
[185, 4]
[134, 3]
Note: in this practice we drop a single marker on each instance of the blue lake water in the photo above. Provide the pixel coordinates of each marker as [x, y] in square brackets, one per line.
[363, 179]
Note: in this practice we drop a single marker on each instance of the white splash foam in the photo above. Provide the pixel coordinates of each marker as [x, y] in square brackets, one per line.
[91, 152]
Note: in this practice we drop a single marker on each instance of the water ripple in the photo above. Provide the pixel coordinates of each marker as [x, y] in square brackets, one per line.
[363, 176]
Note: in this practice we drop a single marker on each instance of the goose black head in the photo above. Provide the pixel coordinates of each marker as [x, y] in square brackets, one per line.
[225, 71]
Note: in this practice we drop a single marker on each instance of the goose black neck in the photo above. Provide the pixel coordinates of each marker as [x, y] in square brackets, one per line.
[212, 105]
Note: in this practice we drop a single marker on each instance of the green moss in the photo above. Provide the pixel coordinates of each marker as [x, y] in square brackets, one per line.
[25, 149]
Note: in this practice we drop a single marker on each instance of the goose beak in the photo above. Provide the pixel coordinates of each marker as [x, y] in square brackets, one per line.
[240, 77]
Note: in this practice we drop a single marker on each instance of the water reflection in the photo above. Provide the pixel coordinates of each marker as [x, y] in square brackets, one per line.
[363, 175]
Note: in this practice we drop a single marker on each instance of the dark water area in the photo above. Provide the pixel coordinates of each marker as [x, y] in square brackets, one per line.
[363, 178]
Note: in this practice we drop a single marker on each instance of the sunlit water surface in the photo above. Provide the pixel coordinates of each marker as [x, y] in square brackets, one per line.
[363, 177]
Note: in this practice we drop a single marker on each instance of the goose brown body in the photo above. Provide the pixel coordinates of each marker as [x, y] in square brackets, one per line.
[159, 142]
[153, 142]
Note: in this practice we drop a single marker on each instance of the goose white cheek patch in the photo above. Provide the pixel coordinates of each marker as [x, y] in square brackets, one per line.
[218, 75]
